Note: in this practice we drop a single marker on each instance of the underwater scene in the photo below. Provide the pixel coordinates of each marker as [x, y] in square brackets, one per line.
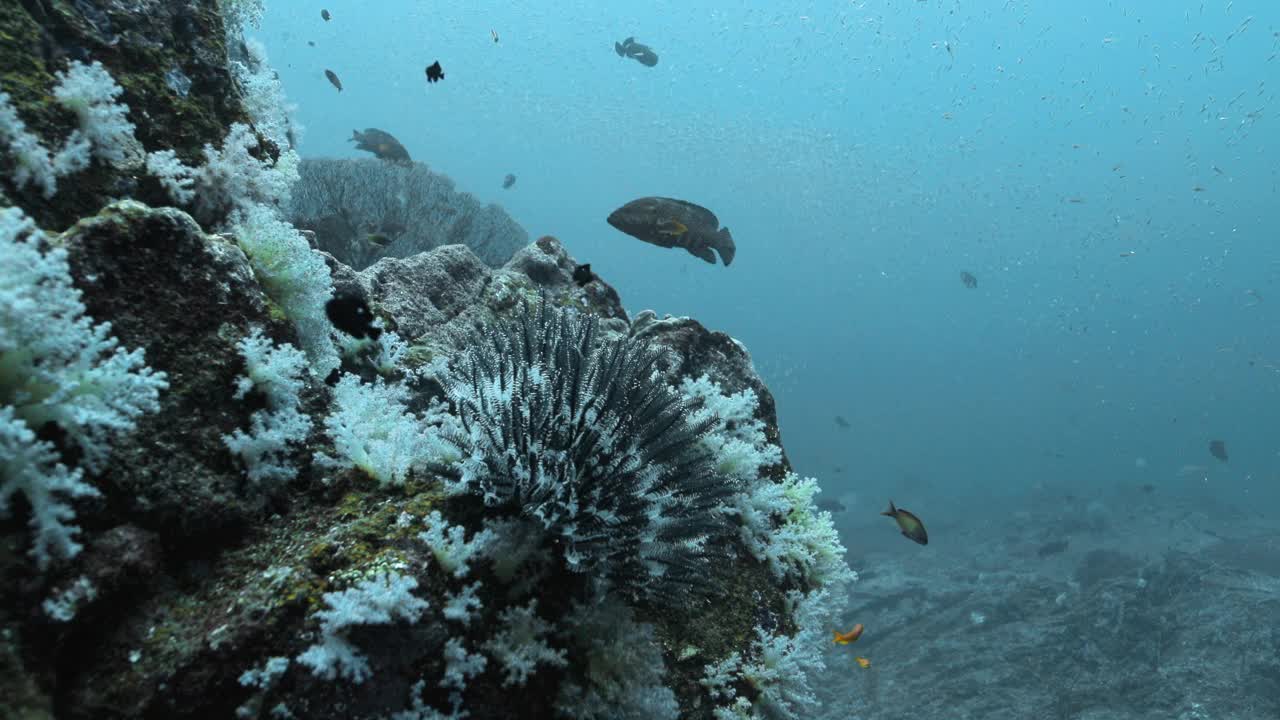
[813, 360]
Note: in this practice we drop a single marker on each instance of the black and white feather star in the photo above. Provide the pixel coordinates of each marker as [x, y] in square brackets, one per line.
[586, 437]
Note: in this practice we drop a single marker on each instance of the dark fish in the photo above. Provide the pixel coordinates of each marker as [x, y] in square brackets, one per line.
[508, 181]
[908, 523]
[842, 423]
[377, 239]
[831, 505]
[333, 79]
[582, 274]
[1052, 548]
[969, 280]
[325, 14]
[1218, 449]
[350, 313]
[382, 144]
[435, 73]
[312, 43]
[642, 54]
[670, 223]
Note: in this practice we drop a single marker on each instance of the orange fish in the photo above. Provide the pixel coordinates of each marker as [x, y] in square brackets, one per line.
[851, 636]
[863, 662]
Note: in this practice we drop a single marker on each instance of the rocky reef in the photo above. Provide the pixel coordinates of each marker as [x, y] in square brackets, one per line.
[173, 64]
[506, 497]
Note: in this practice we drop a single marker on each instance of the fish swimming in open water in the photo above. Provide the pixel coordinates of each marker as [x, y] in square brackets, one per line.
[908, 523]
[508, 181]
[639, 52]
[380, 143]
[670, 223]
[969, 280]
[333, 79]
[849, 637]
[1218, 449]
[434, 72]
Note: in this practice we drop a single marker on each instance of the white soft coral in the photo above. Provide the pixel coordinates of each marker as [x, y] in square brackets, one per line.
[32, 466]
[32, 162]
[373, 431]
[275, 371]
[232, 178]
[90, 92]
[734, 436]
[382, 600]
[295, 277]
[57, 366]
[105, 132]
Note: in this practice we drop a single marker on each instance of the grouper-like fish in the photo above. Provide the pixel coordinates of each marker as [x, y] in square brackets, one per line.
[382, 144]
[669, 223]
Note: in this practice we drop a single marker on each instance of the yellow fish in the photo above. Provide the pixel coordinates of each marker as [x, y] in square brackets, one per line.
[851, 636]
[862, 662]
[674, 228]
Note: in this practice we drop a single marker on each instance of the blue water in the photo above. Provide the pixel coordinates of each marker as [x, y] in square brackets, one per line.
[863, 154]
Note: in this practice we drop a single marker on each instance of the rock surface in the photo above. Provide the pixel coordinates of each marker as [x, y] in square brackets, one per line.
[169, 57]
[187, 298]
[433, 298]
[197, 576]
[196, 579]
[427, 290]
[697, 350]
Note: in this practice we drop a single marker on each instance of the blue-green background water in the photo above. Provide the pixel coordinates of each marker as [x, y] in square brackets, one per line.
[861, 165]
